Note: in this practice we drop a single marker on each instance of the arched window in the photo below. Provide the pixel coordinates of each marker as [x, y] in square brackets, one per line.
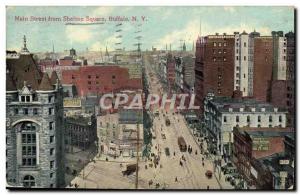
[28, 181]
[28, 144]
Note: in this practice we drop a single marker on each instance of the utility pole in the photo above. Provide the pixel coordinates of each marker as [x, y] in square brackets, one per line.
[137, 155]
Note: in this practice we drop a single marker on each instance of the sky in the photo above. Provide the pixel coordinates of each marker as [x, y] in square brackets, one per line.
[161, 26]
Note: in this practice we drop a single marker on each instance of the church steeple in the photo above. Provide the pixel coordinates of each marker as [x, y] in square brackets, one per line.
[24, 49]
[184, 47]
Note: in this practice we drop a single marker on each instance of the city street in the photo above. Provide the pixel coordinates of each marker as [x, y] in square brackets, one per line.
[174, 169]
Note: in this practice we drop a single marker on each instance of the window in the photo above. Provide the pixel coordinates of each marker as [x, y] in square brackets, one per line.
[89, 82]
[259, 119]
[245, 44]
[219, 51]
[50, 111]
[237, 57]
[89, 76]
[97, 76]
[27, 98]
[224, 59]
[224, 44]
[51, 175]
[51, 139]
[22, 98]
[280, 119]
[248, 119]
[225, 119]
[237, 119]
[51, 151]
[270, 119]
[258, 126]
[224, 51]
[50, 99]
[16, 111]
[220, 44]
[215, 44]
[35, 111]
[28, 181]
[25, 111]
[51, 164]
[245, 58]
[73, 77]
[244, 76]
[237, 51]
[284, 57]
[51, 125]
[214, 59]
[28, 145]
[113, 77]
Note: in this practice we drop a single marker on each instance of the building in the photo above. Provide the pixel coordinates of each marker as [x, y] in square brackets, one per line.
[214, 67]
[81, 131]
[97, 80]
[171, 73]
[119, 132]
[179, 72]
[34, 125]
[256, 143]
[222, 114]
[273, 172]
[284, 79]
[188, 74]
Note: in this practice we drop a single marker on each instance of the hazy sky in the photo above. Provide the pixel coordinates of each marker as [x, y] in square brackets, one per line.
[164, 25]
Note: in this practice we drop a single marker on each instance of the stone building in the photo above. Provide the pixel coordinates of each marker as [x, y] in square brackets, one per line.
[34, 125]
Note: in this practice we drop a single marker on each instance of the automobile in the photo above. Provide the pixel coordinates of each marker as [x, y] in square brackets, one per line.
[208, 174]
[163, 136]
[182, 144]
[168, 122]
[167, 151]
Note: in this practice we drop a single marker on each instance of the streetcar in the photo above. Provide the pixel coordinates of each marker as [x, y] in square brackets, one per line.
[182, 144]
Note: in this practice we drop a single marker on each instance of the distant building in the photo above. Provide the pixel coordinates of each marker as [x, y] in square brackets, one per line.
[34, 125]
[179, 72]
[222, 114]
[97, 80]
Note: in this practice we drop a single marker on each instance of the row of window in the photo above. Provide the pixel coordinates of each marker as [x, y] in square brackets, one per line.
[219, 59]
[237, 119]
[29, 98]
[34, 111]
[220, 51]
[220, 44]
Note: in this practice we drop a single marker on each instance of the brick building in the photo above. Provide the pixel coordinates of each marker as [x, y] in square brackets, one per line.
[214, 67]
[97, 80]
[171, 73]
[286, 83]
[255, 143]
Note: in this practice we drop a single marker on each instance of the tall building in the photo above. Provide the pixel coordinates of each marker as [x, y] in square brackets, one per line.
[214, 67]
[283, 74]
[34, 125]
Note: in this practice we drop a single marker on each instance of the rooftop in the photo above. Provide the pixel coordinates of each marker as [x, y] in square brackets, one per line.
[224, 103]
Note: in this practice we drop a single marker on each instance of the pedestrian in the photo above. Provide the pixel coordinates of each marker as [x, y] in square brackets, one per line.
[196, 152]
[174, 153]
[203, 164]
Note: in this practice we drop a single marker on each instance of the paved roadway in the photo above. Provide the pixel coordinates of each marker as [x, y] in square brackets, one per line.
[189, 176]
